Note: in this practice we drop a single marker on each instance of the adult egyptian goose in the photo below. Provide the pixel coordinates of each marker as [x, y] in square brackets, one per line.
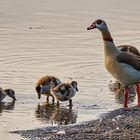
[124, 67]
[128, 49]
[44, 85]
[7, 92]
[65, 91]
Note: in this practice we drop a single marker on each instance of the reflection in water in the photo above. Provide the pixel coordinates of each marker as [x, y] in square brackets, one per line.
[7, 106]
[117, 88]
[54, 114]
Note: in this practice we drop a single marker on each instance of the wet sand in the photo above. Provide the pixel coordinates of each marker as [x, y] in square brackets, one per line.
[119, 124]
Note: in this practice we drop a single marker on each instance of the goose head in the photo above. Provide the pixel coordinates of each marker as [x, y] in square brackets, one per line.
[10, 93]
[99, 24]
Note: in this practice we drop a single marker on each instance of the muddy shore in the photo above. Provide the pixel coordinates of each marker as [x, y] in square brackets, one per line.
[119, 124]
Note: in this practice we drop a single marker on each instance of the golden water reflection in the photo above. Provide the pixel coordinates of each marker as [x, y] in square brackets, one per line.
[51, 113]
[117, 88]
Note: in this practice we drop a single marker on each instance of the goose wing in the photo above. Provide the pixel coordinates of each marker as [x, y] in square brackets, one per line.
[129, 59]
[129, 48]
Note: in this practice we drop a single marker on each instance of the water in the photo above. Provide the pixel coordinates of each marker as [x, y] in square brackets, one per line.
[39, 37]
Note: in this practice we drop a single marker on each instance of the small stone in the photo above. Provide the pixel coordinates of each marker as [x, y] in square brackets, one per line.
[61, 132]
[100, 120]
[113, 120]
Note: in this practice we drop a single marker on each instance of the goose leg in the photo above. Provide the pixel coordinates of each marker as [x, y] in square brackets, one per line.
[138, 94]
[126, 98]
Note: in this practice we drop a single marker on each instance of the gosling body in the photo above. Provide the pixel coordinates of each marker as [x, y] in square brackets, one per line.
[44, 85]
[65, 92]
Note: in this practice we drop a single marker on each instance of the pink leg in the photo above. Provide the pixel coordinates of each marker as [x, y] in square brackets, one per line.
[125, 98]
[138, 94]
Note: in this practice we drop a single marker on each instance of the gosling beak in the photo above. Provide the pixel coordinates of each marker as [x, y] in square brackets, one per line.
[92, 26]
[77, 89]
[14, 98]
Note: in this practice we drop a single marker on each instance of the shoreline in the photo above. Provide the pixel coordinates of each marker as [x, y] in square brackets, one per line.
[123, 123]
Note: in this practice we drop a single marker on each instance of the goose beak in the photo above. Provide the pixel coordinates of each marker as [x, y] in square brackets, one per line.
[92, 26]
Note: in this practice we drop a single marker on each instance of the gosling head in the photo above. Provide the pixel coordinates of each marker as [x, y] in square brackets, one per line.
[99, 24]
[74, 85]
[38, 89]
[10, 93]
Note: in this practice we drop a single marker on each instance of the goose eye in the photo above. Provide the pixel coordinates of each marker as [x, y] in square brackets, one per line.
[99, 22]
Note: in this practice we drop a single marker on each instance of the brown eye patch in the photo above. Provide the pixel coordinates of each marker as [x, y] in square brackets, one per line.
[99, 21]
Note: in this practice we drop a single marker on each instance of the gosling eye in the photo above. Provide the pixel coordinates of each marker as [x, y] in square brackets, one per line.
[99, 21]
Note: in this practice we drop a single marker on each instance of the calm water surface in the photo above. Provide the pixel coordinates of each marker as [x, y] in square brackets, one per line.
[39, 37]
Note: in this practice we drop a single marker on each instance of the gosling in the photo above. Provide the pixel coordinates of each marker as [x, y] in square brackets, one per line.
[44, 85]
[65, 91]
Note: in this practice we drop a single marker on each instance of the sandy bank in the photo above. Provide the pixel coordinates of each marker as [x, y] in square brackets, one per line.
[121, 124]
